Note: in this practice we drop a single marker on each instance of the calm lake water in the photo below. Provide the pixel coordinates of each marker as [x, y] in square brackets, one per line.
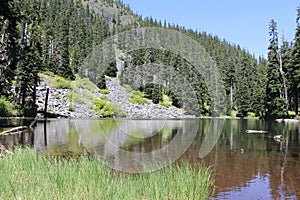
[244, 166]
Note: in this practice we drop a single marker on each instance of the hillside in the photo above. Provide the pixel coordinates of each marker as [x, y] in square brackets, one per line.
[58, 36]
[82, 99]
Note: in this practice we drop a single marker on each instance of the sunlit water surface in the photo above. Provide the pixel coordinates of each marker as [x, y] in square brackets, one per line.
[243, 166]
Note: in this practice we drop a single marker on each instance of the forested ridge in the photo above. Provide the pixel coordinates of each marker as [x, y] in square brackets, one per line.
[57, 35]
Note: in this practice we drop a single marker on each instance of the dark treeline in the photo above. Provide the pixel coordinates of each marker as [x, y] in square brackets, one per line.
[57, 35]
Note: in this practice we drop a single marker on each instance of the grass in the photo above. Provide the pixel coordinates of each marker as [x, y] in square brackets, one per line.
[28, 175]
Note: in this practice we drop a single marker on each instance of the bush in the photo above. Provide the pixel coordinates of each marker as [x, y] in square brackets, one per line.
[153, 91]
[106, 109]
[137, 97]
[49, 73]
[74, 98]
[101, 83]
[166, 102]
[6, 107]
[104, 91]
[111, 70]
[61, 83]
[127, 88]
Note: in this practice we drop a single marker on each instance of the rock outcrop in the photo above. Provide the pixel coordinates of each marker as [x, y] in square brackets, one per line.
[58, 103]
[118, 95]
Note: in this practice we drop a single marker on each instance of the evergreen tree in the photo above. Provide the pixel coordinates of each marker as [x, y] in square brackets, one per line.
[31, 61]
[275, 103]
[295, 71]
[9, 19]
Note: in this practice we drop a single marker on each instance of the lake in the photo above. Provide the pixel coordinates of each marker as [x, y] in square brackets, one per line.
[243, 165]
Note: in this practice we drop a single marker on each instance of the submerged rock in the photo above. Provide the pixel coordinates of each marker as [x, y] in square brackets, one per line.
[278, 138]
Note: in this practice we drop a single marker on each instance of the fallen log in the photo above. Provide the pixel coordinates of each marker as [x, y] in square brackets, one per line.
[256, 131]
[14, 130]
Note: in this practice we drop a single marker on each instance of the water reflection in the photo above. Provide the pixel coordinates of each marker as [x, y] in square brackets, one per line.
[19, 139]
[256, 166]
[126, 145]
[244, 166]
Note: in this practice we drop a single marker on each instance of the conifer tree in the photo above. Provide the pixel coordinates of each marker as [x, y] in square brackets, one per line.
[9, 46]
[296, 65]
[275, 103]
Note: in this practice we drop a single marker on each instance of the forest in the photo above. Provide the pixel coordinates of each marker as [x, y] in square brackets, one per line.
[56, 36]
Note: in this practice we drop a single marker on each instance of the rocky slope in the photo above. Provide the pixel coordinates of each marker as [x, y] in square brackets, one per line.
[58, 103]
[120, 96]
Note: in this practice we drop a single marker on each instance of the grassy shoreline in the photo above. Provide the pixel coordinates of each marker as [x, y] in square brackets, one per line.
[28, 175]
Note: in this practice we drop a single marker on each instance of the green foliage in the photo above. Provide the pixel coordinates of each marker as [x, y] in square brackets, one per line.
[74, 97]
[166, 102]
[56, 36]
[6, 107]
[111, 70]
[48, 73]
[106, 109]
[127, 88]
[61, 83]
[101, 83]
[137, 97]
[104, 91]
[90, 178]
[294, 69]
[275, 104]
[154, 92]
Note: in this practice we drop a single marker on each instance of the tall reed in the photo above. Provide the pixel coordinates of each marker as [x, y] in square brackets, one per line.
[29, 175]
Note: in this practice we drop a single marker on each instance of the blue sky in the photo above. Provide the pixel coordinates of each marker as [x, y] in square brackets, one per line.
[238, 21]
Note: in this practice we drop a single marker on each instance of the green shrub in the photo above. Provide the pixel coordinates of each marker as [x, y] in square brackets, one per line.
[49, 73]
[106, 109]
[101, 83]
[137, 97]
[74, 98]
[6, 107]
[153, 91]
[251, 114]
[104, 91]
[61, 83]
[127, 88]
[121, 57]
[71, 107]
[166, 102]
[111, 70]
[89, 85]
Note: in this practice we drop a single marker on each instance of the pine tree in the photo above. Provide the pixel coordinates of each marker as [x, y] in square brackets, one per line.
[275, 103]
[9, 19]
[296, 65]
[31, 60]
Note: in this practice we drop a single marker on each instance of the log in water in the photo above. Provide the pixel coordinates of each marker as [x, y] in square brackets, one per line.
[14, 130]
[256, 131]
